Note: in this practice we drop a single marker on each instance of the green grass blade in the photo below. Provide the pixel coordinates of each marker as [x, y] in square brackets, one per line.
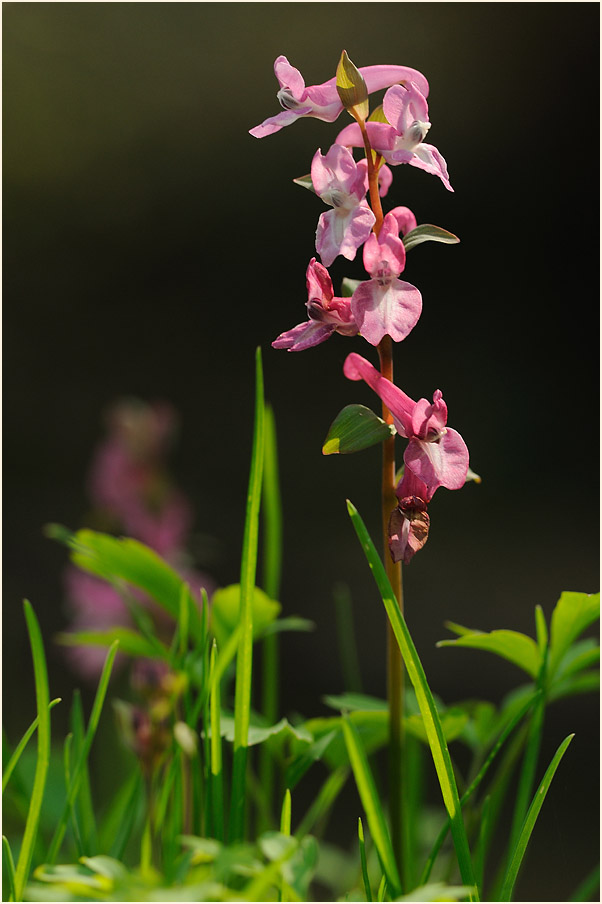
[285, 815]
[475, 784]
[360, 834]
[83, 754]
[272, 570]
[482, 843]
[244, 663]
[371, 803]
[323, 801]
[43, 758]
[9, 868]
[529, 823]
[67, 752]
[16, 755]
[217, 783]
[426, 703]
[588, 887]
[87, 820]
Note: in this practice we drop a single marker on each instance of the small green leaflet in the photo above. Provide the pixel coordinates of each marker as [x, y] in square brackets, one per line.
[354, 428]
[428, 233]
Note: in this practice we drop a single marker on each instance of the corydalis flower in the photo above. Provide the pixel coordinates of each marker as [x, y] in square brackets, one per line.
[385, 305]
[409, 522]
[341, 183]
[323, 101]
[328, 313]
[435, 453]
[401, 138]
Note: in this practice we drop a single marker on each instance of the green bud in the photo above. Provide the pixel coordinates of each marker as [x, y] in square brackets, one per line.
[352, 88]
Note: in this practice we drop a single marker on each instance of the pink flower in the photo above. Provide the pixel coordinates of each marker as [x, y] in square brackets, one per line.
[328, 314]
[322, 101]
[409, 522]
[385, 305]
[339, 182]
[402, 140]
[435, 454]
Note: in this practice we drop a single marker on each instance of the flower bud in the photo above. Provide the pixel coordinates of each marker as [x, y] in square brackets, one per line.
[352, 88]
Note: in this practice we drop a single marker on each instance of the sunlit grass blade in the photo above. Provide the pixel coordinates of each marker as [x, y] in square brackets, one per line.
[426, 703]
[217, 784]
[366, 880]
[529, 823]
[371, 803]
[285, 829]
[16, 755]
[272, 570]
[83, 801]
[476, 782]
[9, 868]
[244, 663]
[83, 754]
[43, 757]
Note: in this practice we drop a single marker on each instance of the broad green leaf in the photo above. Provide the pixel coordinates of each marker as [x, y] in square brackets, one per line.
[428, 233]
[580, 655]
[130, 642]
[131, 562]
[573, 613]
[258, 734]
[453, 722]
[106, 866]
[355, 428]
[437, 891]
[348, 286]
[583, 683]
[529, 823]
[510, 645]
[305, 182]
[371, 804]
[299, 766]
[225, 612]
[353, 702]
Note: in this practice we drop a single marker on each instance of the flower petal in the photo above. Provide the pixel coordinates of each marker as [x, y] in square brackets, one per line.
[399, 404]
[407, 535]
[304, 335]
[289, 77]
[428, 158]
[406, 221]
[391, 310]
[440, 464]
[274, 123]
[338, 233]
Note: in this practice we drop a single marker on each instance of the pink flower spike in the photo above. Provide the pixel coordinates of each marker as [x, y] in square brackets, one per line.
[328, 314]
[385, 305]
[399, 404]
[340, 182]
[406, 221]
[322, 101]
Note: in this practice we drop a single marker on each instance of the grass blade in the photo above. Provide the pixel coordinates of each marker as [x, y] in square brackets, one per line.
[360, 833]
[371, 803]
[87, 820]
[16, 755]
[9, 868]
[43, 758]
[426, 703]
[217, 784]
[83, 754]
[529, 823]
[244, 663]
[323, 801]
[588, 887]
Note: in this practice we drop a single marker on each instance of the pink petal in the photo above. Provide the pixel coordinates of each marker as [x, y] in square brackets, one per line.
[399, 404]
[335, 170]
[407, 535]
[289, 77]
[378, 77]
[443, 463]
[339, 234]
[274, 123]
[385, 179]
[319, 283]
[305, 335]
[382, 136]
[429, 418]
[403, 106]
[391, 310]
[406, 221]
[428, 158]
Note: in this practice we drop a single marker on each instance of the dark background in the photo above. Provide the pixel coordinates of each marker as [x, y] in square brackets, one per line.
[150, 244]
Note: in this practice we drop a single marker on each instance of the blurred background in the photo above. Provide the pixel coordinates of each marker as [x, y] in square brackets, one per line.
[150, 244]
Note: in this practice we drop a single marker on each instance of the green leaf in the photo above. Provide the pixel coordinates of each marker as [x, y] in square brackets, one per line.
[438, 891]
[434, 730]
[43, 752]
[529, 823]
[348, 286]
[258, 734]
[510, 645]
[130, 642]
[131, 562]
[353, 702]
[582, 683]
[354, 428]
[290, 623]
[225, 612]
[573, 613]
[371, 804]
[428, 233]
[9, 869]
[305, 182]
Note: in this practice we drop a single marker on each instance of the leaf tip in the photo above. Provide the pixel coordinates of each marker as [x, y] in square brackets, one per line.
[331, 446]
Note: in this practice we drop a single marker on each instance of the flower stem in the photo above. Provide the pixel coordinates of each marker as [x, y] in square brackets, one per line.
[395, 669]
[377, 208]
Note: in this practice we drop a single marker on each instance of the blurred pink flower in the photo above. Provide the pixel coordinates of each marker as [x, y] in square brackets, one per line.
[322, 101]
